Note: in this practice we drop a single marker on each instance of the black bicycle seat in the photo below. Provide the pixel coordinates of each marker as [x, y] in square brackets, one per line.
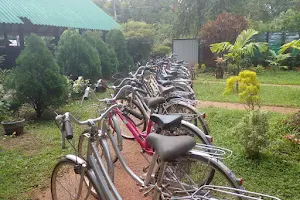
[166, 121]
[164, 82]
[153, 102]
[170, 147]
[165, 90]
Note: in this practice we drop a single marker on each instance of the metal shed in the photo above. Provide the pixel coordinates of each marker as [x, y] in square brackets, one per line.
[187, 50]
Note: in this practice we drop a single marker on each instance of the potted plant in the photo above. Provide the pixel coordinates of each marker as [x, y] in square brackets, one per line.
[8, 111]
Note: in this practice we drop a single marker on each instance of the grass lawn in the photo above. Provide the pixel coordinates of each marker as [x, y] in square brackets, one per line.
[276, 173]
[270, 95]
[268, 77]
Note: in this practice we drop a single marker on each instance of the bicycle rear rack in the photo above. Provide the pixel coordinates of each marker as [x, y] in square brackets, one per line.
[205, 191]
[213, 151]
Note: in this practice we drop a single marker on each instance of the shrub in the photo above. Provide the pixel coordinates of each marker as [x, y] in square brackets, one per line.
[140, 39]
[248, 88]
[253, 132]
[203, 68]
[232, 69]
[259, 69]
[78, 86]
[77, 57]
[292, 126]
[109, 61]
[225, 28]
[116, 40]
[160, 51]
[36, 79]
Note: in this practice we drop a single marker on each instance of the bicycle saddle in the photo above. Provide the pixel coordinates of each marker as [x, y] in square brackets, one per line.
[165, 90]
[164, 82]
[166, 121]
[153, 102]
[170, 147]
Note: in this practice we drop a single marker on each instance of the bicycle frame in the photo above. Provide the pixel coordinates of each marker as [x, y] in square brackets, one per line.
[139, 136]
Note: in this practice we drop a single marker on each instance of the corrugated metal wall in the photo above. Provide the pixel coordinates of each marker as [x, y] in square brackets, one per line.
[187, 50]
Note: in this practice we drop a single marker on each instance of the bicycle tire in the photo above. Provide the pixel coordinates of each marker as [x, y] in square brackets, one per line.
[215, 173]
[187, 128]
[68, 188]
[134, 112]
[180, 107]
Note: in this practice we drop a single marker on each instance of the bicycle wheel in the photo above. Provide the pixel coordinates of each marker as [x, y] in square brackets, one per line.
[192, 171]
[189, 113]
[65, 182]
[133, 112]
[187, 128]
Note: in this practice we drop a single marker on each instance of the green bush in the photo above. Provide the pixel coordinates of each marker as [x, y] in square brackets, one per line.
[109, 61]
[140, 39]
[77, 57]
[160, 51]
[247, 86]
[36, 80]
[259, 69]
[116, 40]
[253, 132]
[78, 86]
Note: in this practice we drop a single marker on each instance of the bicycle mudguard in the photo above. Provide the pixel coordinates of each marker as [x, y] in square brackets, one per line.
[75, 159]
[198, 131]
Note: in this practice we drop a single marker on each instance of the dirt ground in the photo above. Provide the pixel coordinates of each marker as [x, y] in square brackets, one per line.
[238, 106]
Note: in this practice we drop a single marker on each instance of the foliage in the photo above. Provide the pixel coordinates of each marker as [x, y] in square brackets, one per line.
[248, 89]
[259, 69]
[160, 51]
[203, 68]
[117, 42]
[276, 59]
[292, 128]
[288, 21]
[36, 79]
[229, 25]
[163, 34]
[241, 49]
[77, 57]
[140, 39]
[232, 68]
[253, 132]
[109, 61]
[4, 105]
[78, 86]
[293, 44]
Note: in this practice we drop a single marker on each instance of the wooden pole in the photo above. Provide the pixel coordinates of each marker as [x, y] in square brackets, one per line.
[5, 36]
[21, 36]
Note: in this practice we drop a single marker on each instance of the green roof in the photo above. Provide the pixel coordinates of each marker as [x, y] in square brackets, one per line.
[82, 14]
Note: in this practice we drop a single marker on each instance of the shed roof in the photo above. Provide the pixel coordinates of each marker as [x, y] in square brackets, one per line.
[83, 14]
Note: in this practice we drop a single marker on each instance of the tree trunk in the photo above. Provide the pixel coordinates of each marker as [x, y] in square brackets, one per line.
[39, 112]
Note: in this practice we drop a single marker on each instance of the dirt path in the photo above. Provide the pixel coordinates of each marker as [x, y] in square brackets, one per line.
[238, 106]
[126, 186]
[266, 84]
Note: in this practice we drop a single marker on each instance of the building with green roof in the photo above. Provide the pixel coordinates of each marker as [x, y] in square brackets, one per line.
[19, 18]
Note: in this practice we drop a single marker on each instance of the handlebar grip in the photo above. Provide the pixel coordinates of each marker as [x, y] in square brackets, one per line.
[98, 83]
[68, 129]
[86, 93]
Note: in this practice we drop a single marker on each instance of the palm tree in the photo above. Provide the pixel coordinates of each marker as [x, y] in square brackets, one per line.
[242, 48]
[293, 44]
